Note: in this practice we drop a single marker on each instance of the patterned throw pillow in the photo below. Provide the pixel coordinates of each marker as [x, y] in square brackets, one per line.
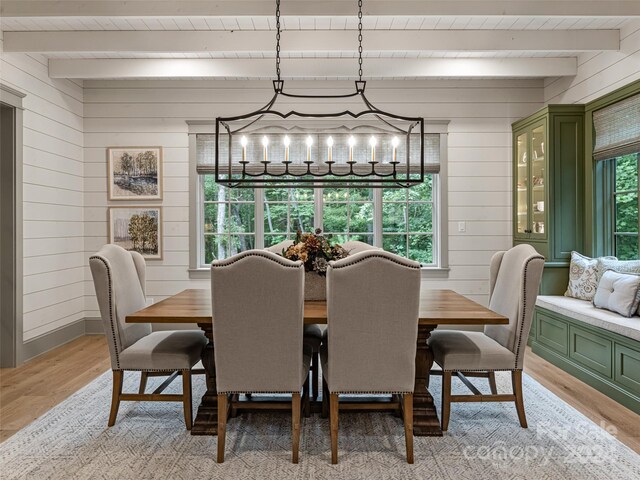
[583, 279]
[619, 266]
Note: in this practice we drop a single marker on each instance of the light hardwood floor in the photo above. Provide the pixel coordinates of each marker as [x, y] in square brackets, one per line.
[30, 390]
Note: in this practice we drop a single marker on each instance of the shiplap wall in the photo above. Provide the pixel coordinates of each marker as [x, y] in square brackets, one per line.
[599, 73]
[53, 184]
[154, 113]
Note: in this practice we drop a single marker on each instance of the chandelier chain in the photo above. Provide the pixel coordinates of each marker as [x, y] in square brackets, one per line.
[278, 39]
[359, 39]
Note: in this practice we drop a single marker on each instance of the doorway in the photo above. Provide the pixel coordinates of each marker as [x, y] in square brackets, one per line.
[10, 227]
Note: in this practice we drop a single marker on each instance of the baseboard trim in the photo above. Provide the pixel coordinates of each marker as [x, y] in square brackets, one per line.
[58, 337]
[93, 326]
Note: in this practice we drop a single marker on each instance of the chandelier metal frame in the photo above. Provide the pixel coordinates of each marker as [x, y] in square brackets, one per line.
[354, 176]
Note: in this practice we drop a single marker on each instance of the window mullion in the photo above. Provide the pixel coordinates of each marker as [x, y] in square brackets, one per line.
[258, 227]
[318, 206]
[377, 217]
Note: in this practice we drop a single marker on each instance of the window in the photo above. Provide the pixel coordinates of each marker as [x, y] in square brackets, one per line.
[230, 220]
[616, 151]
[625, 207]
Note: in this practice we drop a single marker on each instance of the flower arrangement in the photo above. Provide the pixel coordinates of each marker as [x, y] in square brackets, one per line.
[315, 250]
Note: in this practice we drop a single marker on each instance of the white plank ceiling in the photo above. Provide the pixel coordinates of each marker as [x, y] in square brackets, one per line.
[83, 31]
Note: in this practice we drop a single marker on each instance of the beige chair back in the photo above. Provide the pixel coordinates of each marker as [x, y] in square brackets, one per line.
[279, 247]
[373, 300]
[356, 246]
[258, 311]
[514, 284]
[119, 281]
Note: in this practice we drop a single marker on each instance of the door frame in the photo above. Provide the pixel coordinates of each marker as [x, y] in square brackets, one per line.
[11, 290]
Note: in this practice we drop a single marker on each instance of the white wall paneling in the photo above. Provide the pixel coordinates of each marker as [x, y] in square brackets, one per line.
[601, 73]
[52, 193]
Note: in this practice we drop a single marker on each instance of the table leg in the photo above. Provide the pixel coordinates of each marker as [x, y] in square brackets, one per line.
[425, 416]
[206, 421]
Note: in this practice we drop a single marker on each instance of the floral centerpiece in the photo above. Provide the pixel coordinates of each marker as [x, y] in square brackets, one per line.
[316, 251]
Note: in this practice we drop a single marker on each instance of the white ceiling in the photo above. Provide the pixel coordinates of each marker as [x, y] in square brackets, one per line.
[73, 33]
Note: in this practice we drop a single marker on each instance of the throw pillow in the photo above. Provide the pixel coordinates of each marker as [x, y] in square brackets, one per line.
[583, 279]
[620, 266]
[617, 292]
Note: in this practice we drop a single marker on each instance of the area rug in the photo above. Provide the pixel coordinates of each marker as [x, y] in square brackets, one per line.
[149, 441]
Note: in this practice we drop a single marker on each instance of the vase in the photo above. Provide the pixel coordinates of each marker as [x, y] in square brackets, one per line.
[315, 286]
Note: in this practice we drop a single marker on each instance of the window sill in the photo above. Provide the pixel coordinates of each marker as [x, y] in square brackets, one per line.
[434, 272]
[199, 273]
[426, 272]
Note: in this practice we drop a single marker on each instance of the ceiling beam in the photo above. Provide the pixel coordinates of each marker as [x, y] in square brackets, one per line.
[156, 8]
[313, 40]
[312, 68]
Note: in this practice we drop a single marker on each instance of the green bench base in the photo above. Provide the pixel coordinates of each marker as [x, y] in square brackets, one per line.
[607, 361]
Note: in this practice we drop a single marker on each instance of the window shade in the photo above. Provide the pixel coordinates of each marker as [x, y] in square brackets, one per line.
[205, 155]
[617, 129]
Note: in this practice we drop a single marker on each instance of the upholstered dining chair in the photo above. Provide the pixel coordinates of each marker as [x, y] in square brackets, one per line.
[373, 300]
[258, 311]
[514, 282]
[119, 280]
[356, 246]
[312, 337]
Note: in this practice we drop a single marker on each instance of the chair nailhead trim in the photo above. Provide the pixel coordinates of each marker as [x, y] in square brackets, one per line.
[258, 253]
[113, 331]
[369, 393]
[524, 304]
[348, 264]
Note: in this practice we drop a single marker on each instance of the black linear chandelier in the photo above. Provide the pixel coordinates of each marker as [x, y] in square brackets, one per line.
[273, 147]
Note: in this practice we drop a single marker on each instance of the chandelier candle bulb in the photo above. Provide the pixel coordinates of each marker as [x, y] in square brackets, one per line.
[352, 143]
[309, 143]
[243, 142]
[265, 143]
[373, 142]
[287, 142]
[330, 152]
[395, 142]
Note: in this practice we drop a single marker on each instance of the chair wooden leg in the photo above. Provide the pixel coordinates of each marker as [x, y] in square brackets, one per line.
[143, 382]
[315, 368]
[325, 399]
[186, 398]
[516, 381]
[408, 424]
[295, 427]
[222, 425]
[492, 383]
[306, 392]
[333, 412]
[446, 399]
[118, 376]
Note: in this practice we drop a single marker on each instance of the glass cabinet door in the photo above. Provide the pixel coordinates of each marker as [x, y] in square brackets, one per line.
[538, 181]
[522, 196]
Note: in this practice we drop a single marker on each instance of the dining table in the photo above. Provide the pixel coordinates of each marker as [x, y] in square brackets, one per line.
[437, 307]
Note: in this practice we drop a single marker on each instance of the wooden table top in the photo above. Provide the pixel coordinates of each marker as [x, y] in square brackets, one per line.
[437, 307]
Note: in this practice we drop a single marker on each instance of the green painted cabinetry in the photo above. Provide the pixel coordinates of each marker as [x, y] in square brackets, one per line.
[548, 188]
[603, 359]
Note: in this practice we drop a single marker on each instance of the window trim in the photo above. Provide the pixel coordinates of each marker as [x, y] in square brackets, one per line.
[598, 227]
[439, 197]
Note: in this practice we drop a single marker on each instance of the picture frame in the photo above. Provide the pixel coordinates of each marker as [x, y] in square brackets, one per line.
[134, 173]
[137, 228]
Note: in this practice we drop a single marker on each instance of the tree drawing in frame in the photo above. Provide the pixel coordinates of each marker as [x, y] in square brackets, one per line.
[135, 173]
[137, 229]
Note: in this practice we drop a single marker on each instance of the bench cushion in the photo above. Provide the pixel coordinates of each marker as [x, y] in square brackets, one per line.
[584, 311]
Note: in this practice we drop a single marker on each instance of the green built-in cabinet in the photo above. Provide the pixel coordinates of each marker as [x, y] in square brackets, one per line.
[603, 359]
[548, 188]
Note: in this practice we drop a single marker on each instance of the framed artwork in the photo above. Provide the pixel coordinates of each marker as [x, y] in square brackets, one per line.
[137, 229]
[134, 173]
